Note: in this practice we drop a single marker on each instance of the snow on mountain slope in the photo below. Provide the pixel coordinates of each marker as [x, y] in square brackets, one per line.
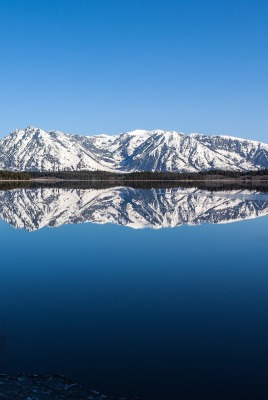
[37, 150]
[33, 209]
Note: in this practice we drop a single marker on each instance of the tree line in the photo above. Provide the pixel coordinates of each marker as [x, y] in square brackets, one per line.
[146, 175]
[132, 176]
[14, 176]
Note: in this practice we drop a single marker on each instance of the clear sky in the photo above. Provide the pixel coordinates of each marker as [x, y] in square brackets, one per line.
[107, 66]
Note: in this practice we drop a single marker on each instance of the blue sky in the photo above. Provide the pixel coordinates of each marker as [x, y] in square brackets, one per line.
[107, 66]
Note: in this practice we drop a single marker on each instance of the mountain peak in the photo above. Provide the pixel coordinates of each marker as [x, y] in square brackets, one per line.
[137, 132]
[32, 129]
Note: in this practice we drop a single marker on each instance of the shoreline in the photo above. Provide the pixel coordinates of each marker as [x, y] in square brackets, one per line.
[55, 180]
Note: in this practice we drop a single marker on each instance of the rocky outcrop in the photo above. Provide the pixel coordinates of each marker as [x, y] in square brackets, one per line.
[55, 387]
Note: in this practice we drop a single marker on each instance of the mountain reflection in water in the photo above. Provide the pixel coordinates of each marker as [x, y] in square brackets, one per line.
[36, 208]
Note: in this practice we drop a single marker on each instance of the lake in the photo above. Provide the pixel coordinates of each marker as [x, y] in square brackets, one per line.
[160, 293]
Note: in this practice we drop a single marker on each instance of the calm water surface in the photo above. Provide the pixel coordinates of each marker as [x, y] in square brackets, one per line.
[161, 312]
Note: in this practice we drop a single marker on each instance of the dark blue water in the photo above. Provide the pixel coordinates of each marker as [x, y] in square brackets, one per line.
[173, 313]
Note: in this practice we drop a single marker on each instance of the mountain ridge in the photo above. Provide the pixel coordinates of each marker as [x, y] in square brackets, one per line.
[33, 149]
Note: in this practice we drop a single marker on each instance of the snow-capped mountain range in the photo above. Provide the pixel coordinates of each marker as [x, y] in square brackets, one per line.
[33, 209]
[33, 149]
